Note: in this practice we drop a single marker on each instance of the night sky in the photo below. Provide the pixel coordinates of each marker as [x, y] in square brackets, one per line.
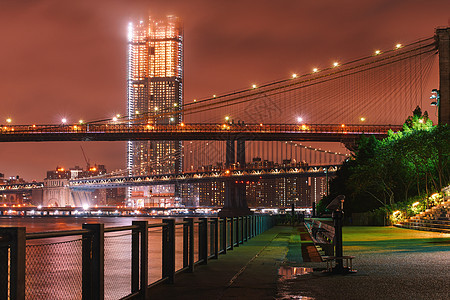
[68, 58]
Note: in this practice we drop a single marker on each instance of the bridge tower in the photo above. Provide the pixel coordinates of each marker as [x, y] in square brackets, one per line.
[443, 44]
[235, 203]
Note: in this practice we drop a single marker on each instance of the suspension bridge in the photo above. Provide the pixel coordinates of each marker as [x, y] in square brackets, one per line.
[369, 95]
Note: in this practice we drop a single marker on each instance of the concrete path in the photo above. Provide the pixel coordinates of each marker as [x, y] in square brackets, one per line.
[392, 263]
[250, 271]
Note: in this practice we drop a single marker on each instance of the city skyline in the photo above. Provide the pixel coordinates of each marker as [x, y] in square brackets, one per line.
[254, 44]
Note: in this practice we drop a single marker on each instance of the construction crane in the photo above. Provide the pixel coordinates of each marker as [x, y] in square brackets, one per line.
[88, 164]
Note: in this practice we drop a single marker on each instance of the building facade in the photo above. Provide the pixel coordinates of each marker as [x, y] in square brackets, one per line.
[155, 92]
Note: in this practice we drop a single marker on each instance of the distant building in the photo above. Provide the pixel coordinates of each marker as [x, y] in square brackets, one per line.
[155, 91]
[155, 95]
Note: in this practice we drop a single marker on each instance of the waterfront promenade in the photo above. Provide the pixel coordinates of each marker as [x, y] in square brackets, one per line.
[392, 263]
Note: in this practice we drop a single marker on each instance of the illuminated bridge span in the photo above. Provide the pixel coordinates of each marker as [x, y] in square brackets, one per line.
[256, 132]
[188, 177]
[247, 174]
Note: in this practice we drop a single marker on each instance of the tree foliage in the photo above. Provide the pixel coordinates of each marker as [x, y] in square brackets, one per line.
[412, 162]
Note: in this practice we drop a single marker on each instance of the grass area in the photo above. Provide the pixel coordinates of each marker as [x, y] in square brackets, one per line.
[392, 239]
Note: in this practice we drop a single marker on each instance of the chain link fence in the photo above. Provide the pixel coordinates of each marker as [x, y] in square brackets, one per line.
[54, 270]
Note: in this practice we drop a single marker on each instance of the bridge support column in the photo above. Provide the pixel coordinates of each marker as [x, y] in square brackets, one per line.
[443, 43]
[229, 154]
[235, 203]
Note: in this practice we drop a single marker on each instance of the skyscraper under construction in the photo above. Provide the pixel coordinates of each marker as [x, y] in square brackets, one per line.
[155, 92]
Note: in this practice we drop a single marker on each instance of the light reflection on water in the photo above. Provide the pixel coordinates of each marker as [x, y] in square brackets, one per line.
[54, 265]
[288, 272]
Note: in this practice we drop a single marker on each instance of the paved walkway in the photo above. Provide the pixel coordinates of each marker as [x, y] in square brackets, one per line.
[392, 263]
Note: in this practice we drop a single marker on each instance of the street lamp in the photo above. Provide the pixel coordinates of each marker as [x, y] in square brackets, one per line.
[64, 120]
[8, 120]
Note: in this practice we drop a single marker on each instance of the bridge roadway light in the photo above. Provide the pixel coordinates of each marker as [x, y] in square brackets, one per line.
[398, 46]
[254, 86]
[377, 52]
[362, 119]
[315, 70]
[299, 119]
[336, 64]
[64, 120]
[114, 119]
[80, 121]
[8, 120]
[294, 75]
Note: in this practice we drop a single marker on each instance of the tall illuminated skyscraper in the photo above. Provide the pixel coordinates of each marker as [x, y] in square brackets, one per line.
[155, 91]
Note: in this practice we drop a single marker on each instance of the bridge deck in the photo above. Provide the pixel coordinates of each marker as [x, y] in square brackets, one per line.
[255, 132]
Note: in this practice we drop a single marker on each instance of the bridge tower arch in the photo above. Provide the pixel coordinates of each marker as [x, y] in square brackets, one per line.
[443, 44]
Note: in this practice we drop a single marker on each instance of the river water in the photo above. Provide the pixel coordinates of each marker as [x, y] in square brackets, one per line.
[54, 265]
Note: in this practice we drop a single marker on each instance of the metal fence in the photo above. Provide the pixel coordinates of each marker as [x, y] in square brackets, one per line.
[115, 262]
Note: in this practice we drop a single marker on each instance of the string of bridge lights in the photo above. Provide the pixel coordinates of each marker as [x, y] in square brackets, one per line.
[315, 70]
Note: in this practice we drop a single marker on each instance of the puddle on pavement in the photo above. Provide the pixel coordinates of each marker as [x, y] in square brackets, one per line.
[288, 272]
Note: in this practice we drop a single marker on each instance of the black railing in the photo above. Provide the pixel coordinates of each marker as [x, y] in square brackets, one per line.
[33, 265]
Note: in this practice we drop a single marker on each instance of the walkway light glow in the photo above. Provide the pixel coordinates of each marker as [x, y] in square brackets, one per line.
[415, 204]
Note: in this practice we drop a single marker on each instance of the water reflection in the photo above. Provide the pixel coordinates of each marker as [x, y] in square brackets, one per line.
[288, 272]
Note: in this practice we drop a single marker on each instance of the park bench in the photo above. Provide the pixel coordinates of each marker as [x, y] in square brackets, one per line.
[322, 235]
[347, 265]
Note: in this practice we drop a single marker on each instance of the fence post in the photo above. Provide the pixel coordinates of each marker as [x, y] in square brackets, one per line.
[139, 273]
[216, 237]
[185, 244]
[203, 240]
[14, 239]
[93, 260]
[237, 231]
[242, 229]
[190, 246]
[232, 233]
[168, 250]
[224, 234]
